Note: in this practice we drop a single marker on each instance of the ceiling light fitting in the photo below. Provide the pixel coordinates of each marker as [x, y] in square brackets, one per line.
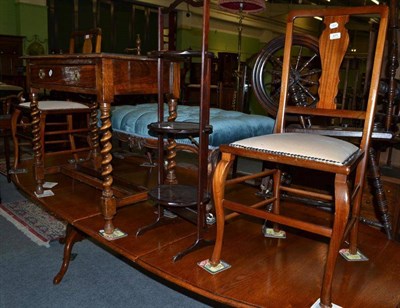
[240, 7]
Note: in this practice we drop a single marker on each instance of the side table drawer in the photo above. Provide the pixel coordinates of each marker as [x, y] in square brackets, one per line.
[83, 76]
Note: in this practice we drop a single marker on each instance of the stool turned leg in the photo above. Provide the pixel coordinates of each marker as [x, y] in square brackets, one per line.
[171, 163]
[37, 134]
[14, 121]
[171, 147]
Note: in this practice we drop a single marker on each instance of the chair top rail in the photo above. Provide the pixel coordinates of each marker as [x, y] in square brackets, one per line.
[381, 10]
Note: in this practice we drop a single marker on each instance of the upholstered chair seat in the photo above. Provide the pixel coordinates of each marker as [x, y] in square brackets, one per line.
[304, 146]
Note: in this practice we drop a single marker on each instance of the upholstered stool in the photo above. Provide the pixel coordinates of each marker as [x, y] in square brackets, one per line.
[63, 131]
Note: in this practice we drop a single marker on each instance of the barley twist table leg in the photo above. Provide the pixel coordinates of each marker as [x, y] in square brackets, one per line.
[108, 205]
[38, 164]
[94, 133]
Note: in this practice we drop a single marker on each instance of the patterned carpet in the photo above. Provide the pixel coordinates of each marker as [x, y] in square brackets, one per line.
[33, 221]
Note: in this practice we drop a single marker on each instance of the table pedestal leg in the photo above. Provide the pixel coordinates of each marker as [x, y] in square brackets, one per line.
[72, 236]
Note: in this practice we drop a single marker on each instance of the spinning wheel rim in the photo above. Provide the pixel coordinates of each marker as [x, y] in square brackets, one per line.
[265, 55]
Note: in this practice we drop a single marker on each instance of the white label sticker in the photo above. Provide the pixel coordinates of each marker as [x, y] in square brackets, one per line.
[333, 25]
[334, 36]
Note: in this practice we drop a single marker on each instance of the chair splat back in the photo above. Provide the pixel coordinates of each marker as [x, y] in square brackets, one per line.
[333, 45]
[88, 40]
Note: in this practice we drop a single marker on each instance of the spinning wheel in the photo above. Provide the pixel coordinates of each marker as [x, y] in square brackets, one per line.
[304, 75]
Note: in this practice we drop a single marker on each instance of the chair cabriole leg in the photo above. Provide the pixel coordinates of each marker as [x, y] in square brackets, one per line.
[342, 209]
[219, 180]
[353, 239]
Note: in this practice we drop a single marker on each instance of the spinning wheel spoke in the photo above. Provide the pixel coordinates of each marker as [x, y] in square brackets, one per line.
[308, 93]
[299, 57]
[307, 64]
[313, 72]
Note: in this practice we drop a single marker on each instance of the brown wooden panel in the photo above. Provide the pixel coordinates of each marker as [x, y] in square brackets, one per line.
[141, 77]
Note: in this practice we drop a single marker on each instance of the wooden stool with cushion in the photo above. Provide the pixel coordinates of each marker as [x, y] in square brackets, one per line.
[58, 124]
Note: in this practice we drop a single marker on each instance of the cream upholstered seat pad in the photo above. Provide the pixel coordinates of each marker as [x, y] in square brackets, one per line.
[56, 105]
[305, 146]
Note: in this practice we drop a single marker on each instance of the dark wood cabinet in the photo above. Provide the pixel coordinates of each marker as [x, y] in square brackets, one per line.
[223, 90]
[191, 91]
[227, 65]
[11, 64]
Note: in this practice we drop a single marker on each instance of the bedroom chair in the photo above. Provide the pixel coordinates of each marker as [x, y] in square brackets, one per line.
[59, 124]
[342, 161]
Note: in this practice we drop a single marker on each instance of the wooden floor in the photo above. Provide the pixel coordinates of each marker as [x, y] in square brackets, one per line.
[264, 273]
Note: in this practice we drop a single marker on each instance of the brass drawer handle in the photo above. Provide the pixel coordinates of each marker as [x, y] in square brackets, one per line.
[41, 74]
[76, 76]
